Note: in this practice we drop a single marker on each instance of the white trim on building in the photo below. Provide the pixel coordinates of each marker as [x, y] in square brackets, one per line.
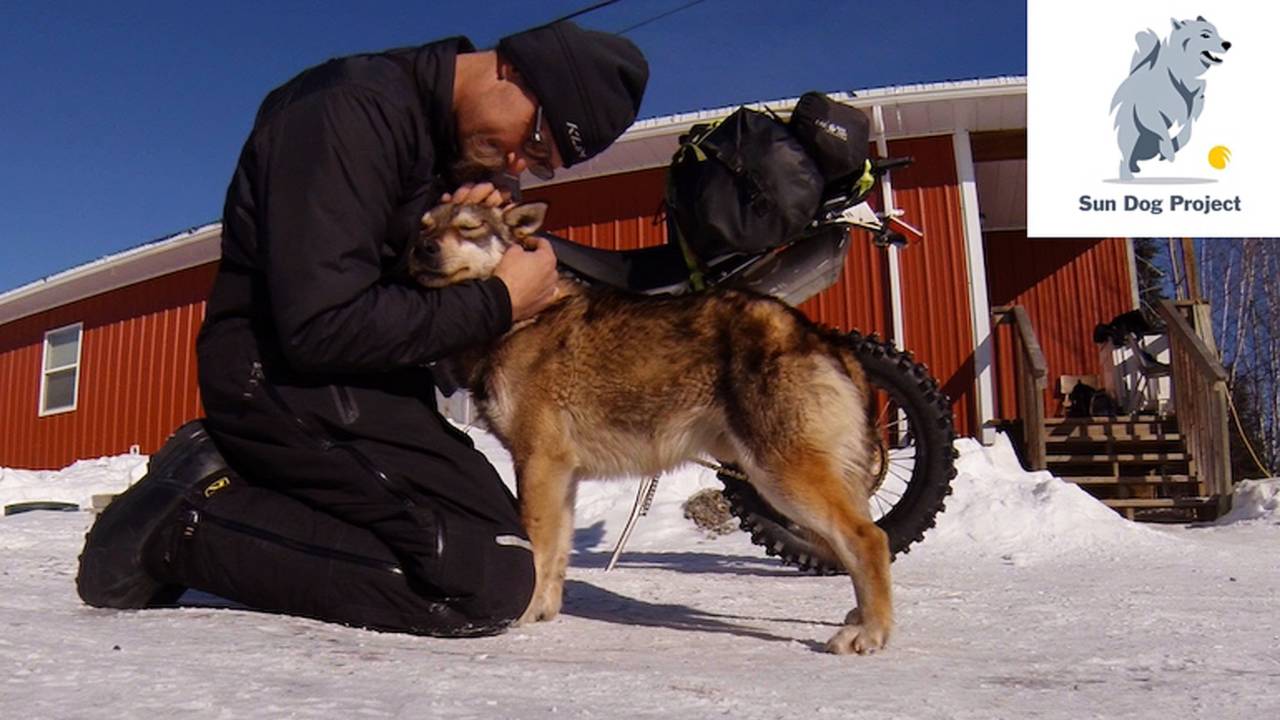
[998, 103]
[979, 308]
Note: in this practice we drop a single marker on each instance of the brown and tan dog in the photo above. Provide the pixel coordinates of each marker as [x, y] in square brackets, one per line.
[604, 384]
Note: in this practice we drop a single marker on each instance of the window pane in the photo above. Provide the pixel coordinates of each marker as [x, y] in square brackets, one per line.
[60, 390]
[63, 348]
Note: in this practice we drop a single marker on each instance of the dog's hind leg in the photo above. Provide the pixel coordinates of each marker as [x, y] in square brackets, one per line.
[811, 491]
[546, 487]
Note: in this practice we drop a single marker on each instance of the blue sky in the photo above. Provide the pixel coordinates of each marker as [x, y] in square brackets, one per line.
[122, 121]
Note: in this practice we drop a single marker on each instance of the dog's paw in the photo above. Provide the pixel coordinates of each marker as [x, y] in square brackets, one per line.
[860, 639]
[540, 609]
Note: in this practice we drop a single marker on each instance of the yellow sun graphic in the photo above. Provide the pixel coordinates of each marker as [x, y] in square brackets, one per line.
[1219, 156]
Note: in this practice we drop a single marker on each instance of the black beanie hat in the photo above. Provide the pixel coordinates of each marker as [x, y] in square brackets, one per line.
[589, 83]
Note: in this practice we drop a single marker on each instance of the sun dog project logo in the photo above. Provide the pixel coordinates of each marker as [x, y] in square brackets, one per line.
[1159, 102]
[1140, 132]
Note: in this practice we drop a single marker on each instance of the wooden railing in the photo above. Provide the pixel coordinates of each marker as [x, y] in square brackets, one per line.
[1200, 402]
[1031, 373]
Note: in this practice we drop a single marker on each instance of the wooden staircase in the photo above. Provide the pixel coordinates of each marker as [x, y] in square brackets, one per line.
[1139, 466]
[1145, 467]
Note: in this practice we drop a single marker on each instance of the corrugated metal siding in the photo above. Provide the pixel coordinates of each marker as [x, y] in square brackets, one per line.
[617, 212]
[1067, 286]
[860, 298]
[935, 274]
[137, 372]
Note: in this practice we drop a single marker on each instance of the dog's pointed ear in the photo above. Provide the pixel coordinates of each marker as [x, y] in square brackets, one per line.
[1176, 25]
[1201, 18]
[524, 220]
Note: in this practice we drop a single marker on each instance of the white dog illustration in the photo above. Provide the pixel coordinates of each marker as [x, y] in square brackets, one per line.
[1156, 105]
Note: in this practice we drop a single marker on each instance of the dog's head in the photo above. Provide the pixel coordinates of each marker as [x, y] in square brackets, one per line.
[1196, 45]
[466, 242]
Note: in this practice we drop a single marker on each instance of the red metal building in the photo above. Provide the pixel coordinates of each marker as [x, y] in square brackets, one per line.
[99, 359]
[129, 322]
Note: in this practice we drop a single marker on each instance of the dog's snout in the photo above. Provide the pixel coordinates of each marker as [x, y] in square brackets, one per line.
[426, 253]
[1226, 45]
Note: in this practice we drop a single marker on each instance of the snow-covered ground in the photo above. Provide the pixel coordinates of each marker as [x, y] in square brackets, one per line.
[1028, 600]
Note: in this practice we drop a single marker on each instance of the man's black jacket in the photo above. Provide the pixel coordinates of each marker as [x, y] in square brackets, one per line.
[340, 165]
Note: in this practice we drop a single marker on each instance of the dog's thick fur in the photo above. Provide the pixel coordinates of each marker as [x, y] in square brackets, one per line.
[1163, 94]
[604, 384]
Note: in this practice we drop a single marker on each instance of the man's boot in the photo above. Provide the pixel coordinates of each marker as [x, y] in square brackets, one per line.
[113, 567]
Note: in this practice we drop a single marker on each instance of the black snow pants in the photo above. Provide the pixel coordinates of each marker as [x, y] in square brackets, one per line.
[353, 504]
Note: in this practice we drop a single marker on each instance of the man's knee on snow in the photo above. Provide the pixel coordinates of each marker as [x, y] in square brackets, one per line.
[487, 568]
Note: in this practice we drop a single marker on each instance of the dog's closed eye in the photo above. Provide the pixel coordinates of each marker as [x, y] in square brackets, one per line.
[471, 227]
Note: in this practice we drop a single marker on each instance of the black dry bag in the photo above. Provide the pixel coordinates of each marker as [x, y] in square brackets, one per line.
[835, 135]
[745, 184]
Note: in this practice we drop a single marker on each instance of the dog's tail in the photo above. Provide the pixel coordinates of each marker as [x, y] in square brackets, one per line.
[1143, 57]
[1146, 53]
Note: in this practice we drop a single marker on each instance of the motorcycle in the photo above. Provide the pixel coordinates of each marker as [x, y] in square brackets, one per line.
[913, 418]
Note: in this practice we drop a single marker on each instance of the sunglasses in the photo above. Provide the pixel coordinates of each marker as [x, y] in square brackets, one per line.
[538, 152]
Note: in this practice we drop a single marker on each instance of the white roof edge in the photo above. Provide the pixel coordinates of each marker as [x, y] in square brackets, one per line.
[896, 94]
[670, 125]
[188, 249]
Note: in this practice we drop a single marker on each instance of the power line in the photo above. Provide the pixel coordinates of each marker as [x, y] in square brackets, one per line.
[656, 18]
[624, 31]
[584, 11]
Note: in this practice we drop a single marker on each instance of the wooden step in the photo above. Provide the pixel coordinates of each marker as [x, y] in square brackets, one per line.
[1165, 509]
[1126, 430]
[1107, 447]
[1110, 420]
[1131, 480]
[1120, 457]
[1113, 434]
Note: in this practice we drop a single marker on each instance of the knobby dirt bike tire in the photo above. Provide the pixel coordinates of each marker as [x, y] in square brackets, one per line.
[928, 411]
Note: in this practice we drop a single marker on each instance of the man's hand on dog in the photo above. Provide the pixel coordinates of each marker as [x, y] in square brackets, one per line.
[485, 193]
[530, 275]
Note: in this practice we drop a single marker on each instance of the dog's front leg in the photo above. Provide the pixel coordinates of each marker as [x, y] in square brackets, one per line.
[1184, 134]
[1168, 147]
[546, 487]
[1151, 120]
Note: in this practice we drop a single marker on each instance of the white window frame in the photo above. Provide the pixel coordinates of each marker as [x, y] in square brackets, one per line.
[45, 372]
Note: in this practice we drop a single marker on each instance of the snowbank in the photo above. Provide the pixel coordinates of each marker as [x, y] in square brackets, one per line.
[998, 509]
[77, 483]
[1254, 500]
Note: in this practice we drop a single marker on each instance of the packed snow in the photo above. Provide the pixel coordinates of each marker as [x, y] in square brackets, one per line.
[1029, 599]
